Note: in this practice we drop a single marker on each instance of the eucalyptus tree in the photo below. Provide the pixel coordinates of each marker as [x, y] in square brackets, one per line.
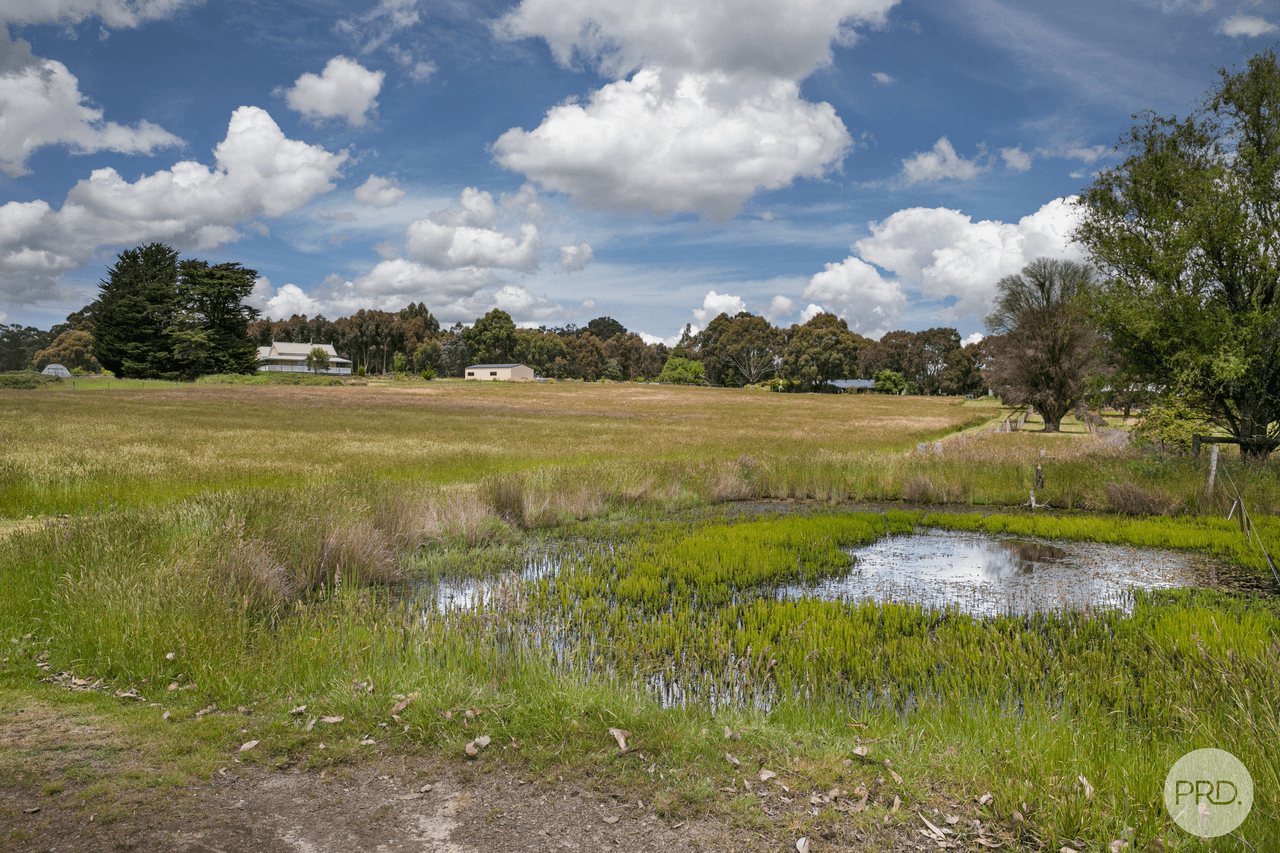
[1186, 235]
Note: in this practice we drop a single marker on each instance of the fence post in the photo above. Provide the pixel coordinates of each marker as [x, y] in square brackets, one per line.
[1213, 470]
[1039, 478]
[1195, 445]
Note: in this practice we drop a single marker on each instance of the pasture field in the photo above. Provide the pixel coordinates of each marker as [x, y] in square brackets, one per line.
[268, 548]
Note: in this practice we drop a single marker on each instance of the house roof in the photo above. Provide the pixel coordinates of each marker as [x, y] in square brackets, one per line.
[289, 352]
[851, 383]
[478, 366]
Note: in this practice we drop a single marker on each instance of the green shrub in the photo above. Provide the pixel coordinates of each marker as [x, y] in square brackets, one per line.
[26, 380]
[682, 371]
[1168, 426]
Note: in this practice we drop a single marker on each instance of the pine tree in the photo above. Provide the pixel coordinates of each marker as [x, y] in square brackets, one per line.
[134, 311]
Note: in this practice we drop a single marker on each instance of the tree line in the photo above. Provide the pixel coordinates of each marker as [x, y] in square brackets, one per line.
[744, 349]
[159, 316]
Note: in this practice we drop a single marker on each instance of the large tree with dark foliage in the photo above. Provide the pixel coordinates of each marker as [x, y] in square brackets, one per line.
[157, 317]
[1186, 235]
[136, 306]
[821, 350]
[210, 333]
[1045, 349]
[493, 338]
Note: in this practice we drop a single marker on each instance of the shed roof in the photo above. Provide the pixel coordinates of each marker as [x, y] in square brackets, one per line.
[478, 366]
[851, 383]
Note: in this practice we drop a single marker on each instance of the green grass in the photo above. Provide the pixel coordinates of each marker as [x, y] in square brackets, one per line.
[250, 524]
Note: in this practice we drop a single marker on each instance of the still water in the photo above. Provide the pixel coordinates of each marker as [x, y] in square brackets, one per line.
[976, 573]
[989, 576]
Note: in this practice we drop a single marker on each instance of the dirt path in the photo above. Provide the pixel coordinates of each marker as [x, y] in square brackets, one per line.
[73, 778]
[387, 806]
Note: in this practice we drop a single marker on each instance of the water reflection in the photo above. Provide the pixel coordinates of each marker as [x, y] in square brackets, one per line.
[987, 576]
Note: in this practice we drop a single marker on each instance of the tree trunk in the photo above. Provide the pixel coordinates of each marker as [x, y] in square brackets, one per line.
[1052, 426]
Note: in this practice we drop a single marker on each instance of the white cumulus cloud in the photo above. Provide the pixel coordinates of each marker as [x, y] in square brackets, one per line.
[575, 258]
[810, 311]
[882, 78]
[940, 163]
[948, 255]
[714, 304]
[693, 143]
[379, 192]
[755, 37]
[458, 295]
[259, 171]
[711, 112]
[779, 306]
[465, 237]
[41, 104]
[452, 247]
[282, 303]
[1247, 25]
[345, 89]
[855, 290]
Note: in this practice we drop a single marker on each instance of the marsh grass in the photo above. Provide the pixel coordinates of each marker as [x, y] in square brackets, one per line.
[1016, 706]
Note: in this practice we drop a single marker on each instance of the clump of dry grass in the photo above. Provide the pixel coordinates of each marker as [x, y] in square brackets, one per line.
[920, 490]
[505, 495]
[1131, 499]
[359, 552]
[245, 567]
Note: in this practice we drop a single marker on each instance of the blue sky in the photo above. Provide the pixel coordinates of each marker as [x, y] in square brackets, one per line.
[657, 161]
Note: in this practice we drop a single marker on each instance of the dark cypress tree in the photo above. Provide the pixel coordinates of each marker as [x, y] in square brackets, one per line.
[135, 310]
[211, 330]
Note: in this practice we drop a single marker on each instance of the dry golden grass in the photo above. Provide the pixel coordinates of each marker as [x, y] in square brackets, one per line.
[68, 451]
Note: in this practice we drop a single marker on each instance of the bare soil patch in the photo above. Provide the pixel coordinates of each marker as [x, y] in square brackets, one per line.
[72, 780]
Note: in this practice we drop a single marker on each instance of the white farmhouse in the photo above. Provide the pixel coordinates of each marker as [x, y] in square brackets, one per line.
[292, 358]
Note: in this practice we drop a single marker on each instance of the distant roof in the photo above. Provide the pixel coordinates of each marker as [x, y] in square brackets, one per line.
[851, 383]
[477, 366]
[56, 370]
[280, 351]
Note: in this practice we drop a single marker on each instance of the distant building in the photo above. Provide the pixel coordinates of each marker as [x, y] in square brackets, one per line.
[854, 386]
[500, 372]
[292, 358]
[56, 370]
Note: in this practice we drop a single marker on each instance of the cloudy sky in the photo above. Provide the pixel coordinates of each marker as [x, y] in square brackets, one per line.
[657, 161]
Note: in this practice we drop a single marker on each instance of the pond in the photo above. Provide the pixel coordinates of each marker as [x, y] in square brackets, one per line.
[978, 574]
[987, 576]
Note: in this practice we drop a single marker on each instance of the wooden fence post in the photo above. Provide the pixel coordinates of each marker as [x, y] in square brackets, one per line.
[1213, 470]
